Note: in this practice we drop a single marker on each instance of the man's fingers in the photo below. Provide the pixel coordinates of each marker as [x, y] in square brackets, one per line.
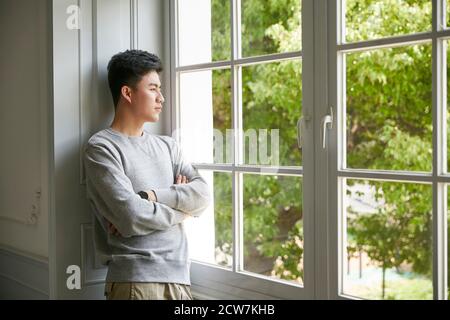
[116, 232]
[181, 179]
[113, 230]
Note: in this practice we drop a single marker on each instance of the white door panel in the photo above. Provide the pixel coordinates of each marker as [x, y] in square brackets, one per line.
[83, 106]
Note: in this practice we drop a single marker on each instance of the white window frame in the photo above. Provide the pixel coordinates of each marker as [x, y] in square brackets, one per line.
[337, 172]
[214, 281]
[323, 53]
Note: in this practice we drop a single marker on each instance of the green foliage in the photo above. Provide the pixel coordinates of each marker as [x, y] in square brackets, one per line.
[289, 263]
[371, 19]
[223, 211]
[263, 21]
[220, 29]
[222, 99]
[266, 197]
[386, 87]
[417, 288]
[448, 13]
[400, 232]
[272, 100]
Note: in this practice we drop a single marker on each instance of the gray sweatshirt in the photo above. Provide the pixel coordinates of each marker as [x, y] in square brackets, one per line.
[152, 246]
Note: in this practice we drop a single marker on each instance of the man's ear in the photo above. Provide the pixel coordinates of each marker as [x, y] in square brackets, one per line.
[125, 92]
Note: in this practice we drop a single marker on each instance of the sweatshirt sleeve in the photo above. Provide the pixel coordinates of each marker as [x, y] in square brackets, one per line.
[113, 191]
[192, 197]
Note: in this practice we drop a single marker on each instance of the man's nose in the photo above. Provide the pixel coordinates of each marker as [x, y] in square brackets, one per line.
[161, 98]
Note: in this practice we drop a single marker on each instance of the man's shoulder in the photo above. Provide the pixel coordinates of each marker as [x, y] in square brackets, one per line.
[168, 140]
[98, 136]
[101, 139]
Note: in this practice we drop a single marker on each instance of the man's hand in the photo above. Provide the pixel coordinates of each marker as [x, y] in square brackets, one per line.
[151, 196]
[112, 230]
[181, 180]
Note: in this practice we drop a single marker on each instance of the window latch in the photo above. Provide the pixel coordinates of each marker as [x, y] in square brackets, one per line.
[327, 123]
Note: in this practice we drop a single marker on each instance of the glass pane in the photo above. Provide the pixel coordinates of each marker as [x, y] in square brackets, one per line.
[272, 98]
[388, 246]
[389, 118]
[447, 43]
[204, 31]
[373, 19]
[273, 226]
[270, 27]
[205, 115]
[211, 234]
[448, 13]
[448, 245]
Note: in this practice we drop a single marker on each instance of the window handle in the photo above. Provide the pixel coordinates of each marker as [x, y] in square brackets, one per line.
[300, 125]
[327, 120]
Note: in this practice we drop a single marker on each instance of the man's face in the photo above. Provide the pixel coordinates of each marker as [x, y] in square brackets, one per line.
[147, 99]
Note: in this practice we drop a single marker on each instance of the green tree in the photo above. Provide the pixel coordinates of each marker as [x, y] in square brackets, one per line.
[396, 233]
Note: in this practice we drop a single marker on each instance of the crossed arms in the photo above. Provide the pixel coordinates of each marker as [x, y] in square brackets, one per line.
[112, 193]
[151, 197]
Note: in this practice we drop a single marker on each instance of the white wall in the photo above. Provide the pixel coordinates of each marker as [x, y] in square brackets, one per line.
[25, 98]
[54, 97]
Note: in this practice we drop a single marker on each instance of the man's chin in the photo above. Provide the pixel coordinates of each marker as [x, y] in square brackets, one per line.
[153, 119]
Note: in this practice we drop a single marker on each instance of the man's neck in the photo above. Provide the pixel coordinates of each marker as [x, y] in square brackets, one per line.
[128, 128]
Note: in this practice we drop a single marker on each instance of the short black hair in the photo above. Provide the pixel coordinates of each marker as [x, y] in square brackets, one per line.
[127, 69]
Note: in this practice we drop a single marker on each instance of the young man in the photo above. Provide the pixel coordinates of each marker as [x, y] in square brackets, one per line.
[140, 189]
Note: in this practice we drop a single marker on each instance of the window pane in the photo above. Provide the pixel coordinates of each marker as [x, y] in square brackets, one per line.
[273, 226]
[205, 115]
[204, 31]
[389, 118]
[447, 43]
[372, 19]
[270, 26]
[389, 240]
[448, 13]
[211, 235]
[448, 245]
[271, 107]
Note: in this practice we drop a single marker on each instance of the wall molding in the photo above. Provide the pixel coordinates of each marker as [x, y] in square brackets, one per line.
[85, 74]
[23, 254]
[23, 275]
[92, 272]
[134, 24]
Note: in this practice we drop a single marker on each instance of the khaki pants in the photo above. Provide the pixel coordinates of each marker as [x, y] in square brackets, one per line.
[147, 291]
